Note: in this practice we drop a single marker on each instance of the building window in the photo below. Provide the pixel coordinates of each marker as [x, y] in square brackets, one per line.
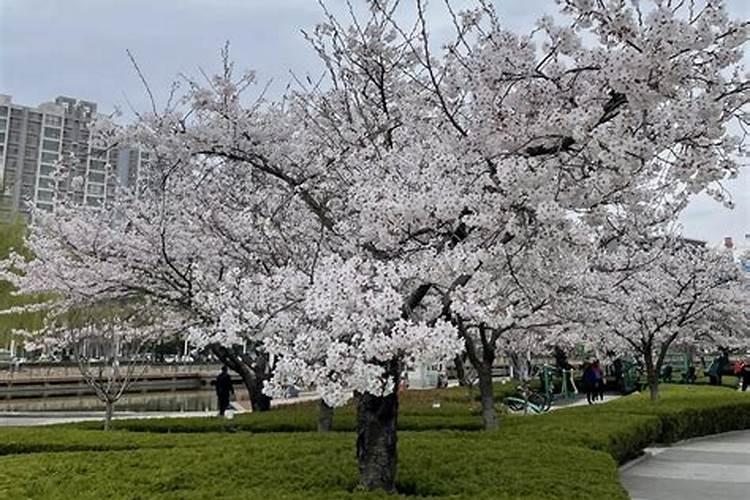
[53, 120]
[52, 133]
[44, 195]
[46, 170]
[49, 157]
[3, 124]
[96, 177]
[45, 183]
[97, 165]
[3, 110]
[50, 145]
[96, 189]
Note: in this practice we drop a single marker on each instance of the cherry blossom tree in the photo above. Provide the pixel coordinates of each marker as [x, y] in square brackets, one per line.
[519, 306]
[121, 335]
[665, 292]
[439, 160]
[172, 239]
[365, 222]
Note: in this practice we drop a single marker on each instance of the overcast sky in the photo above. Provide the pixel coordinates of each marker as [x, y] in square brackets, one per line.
[77, 48]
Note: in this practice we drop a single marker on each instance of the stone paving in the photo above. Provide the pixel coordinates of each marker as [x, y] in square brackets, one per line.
[710, 468]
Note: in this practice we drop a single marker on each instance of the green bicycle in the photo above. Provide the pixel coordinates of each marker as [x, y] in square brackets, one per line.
[528, 400]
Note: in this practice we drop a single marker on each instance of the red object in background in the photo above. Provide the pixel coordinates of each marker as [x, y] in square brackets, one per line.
[739, 365]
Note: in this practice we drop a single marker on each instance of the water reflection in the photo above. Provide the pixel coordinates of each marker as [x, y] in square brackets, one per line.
[152, 401]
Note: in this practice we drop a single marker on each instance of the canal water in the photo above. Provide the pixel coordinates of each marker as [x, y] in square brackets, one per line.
[204, 400]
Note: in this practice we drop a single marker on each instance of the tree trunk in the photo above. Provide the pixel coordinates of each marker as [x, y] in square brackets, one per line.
[253, 375]
[254, 385]
[519, 364]
[652, 376]
[653, 386]
[482, 358]
[109, 411]
[376, 441]
[325, 417]
[487, 397]
[458, 361]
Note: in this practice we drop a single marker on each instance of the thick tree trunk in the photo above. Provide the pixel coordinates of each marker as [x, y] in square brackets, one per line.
[109, 412]
[487, 397]
[325, 417]
[377, 420]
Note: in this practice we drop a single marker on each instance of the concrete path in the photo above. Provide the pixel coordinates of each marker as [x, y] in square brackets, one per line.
[580, 400]
[714, 467]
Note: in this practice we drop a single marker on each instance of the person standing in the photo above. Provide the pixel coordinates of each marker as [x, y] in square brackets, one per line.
[223, 389]
[598, 381]
[589, 382]
[742, 370]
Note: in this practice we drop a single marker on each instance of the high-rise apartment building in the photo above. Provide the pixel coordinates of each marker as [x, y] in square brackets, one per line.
[33, 140]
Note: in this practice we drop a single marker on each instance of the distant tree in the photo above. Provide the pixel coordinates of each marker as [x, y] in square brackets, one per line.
[666, 292]
[120, 336]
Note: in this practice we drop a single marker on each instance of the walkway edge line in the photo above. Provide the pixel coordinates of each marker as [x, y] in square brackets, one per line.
[648, 452]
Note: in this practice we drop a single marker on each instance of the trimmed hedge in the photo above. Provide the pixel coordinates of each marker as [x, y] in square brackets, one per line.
[29, 440]
[296, 466]
[570, 453]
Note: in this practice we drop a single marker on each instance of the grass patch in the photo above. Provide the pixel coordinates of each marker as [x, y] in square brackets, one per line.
[570, 453]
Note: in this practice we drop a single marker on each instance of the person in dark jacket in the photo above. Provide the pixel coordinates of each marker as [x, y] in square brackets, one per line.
[223, 389]
[589, 382]
[742, 369]
[599, 381]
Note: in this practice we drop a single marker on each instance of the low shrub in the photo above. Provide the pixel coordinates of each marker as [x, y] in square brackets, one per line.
[311, 466]
[26, 440]
[569, 453]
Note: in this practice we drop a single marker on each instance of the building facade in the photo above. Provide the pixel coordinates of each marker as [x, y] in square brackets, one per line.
[740, 253]
[35, 141]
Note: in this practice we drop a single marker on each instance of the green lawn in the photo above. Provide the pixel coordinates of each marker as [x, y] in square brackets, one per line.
[570, 453]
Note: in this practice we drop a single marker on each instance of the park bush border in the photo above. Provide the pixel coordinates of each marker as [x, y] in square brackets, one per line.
[571, 453]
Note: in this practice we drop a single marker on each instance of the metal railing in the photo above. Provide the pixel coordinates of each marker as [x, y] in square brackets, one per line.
[57, 371]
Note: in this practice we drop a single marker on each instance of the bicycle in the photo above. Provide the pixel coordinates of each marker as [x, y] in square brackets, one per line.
[529, 400]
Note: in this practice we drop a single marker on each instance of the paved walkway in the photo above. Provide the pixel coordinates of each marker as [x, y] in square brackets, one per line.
[715, 468]
[580, 400]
